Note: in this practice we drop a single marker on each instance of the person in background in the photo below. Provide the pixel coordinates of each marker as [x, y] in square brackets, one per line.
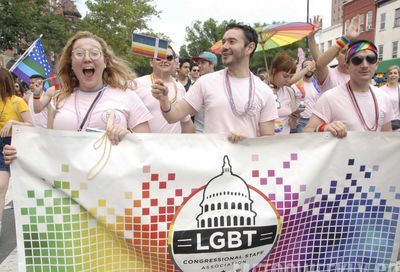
[183, 73]
[393, 90]
[13, 111]
[207, 62]
[228, 109]
[355, 105]
[194, 72]
[163, 70]
[283, 68]
[262, 73]
[33, 98]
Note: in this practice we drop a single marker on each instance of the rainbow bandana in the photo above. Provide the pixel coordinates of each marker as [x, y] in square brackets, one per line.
[358, 46]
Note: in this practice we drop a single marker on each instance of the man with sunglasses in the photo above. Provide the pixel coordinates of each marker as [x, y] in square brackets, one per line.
[355, 105]
[35, 93]
[235, 102]
[163, 70]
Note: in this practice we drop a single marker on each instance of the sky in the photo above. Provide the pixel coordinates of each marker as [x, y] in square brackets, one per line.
[176, 15]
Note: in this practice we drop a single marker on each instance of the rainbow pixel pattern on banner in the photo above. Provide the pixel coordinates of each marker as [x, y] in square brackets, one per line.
[347, 218]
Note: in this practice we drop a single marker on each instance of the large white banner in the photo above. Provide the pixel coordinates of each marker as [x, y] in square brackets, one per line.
[306, 202]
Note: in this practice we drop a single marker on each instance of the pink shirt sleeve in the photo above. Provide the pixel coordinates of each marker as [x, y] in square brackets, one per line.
[269, 111]
[322, 109]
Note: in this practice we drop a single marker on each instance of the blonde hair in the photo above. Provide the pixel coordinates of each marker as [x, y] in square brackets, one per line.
[392, 68]
[116, 74]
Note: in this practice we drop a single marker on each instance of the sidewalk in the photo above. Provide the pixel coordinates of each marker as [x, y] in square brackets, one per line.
[10, 264]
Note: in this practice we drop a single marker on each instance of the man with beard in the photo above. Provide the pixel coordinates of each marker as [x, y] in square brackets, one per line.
[163, 69]
[355, 105]
[236, 103]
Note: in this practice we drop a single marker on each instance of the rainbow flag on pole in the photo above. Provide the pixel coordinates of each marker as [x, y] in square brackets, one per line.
[149, 46]
[34, 62]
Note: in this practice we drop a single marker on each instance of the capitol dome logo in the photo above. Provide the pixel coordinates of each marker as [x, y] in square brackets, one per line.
[226, 225]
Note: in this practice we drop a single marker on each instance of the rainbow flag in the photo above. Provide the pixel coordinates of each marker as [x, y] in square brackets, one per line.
[149, 46]
[34, 62]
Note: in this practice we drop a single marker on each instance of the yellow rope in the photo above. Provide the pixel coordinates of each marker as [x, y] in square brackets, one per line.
[103, 140]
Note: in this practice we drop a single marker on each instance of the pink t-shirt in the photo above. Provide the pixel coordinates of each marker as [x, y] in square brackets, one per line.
[158, 124]
[129, 110]
[210, 91]
[286, 103]
[336, 105]
[334, 79]
[393, 94]
[310, 96]
[39, 119]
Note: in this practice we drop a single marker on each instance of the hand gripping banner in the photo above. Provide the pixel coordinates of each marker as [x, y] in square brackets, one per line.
[305, 202]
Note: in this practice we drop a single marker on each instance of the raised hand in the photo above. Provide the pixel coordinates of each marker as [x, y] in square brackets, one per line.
[353, 31]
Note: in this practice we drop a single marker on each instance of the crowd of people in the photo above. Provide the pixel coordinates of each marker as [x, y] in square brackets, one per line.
[97, 92]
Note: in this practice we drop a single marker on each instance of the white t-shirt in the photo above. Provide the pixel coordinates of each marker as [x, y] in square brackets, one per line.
[393, 94]
[334, 79]
[158, 124]
[39, 119]
[210, 91]
[336, 105]
[129, 110]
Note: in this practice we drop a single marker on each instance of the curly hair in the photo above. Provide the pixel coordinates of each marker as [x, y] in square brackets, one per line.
[116, 74]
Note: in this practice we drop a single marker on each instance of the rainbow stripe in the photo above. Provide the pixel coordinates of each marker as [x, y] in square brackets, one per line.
[149, 46]
[360, 46]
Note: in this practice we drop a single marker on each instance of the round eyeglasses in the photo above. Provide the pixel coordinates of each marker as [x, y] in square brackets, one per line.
[80, 53]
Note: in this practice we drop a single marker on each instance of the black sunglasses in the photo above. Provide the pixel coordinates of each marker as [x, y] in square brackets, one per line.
[357, 60]
[168, 57]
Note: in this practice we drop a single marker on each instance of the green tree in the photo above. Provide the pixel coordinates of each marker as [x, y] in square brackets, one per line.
[115, 21]
[201, 36]
[21, 22]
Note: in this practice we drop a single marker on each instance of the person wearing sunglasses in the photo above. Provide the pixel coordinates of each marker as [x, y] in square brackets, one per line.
[392, 88]
[194, 72]
[163, 70]
[355, 105]
[235, 101]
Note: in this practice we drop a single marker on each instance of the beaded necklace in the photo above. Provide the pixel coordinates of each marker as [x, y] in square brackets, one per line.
[358, 110]
[175, 89]
[249, 105]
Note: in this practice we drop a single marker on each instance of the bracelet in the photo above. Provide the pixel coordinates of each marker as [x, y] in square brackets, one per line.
[168, 110]
[320, 128]
[341, 42]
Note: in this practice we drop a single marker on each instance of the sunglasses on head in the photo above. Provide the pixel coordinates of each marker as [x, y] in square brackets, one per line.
[357, 60]
[168, 57]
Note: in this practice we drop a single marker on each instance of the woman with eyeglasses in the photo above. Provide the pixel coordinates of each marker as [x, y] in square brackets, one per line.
[393, 90]
[163, 69]
[283, 68]
[94, 87]
[356, 105]
[13, 111]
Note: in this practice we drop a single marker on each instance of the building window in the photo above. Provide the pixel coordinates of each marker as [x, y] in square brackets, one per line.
[322, 47]
[330, 44]
[380, 52]
[397, 18]
[346, 25]
[369, 21]
[361, 20]
[383, 18]
[394, 49]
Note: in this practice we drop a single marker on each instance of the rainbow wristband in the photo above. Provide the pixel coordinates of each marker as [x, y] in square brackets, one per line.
[342, 41]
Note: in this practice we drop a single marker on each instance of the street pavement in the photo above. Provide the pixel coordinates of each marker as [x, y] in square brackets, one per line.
[8, 242]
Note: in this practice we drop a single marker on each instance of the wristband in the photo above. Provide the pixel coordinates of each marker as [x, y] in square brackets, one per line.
[168, 110]
[341, 42]
[320, 128]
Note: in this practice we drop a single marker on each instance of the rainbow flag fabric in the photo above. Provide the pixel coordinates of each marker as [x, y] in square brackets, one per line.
[149, 46]
[34, 62]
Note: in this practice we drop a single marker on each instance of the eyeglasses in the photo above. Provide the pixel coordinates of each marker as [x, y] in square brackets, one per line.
[80, 53]
[168, 57]
[195, 70]
[357, 60]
